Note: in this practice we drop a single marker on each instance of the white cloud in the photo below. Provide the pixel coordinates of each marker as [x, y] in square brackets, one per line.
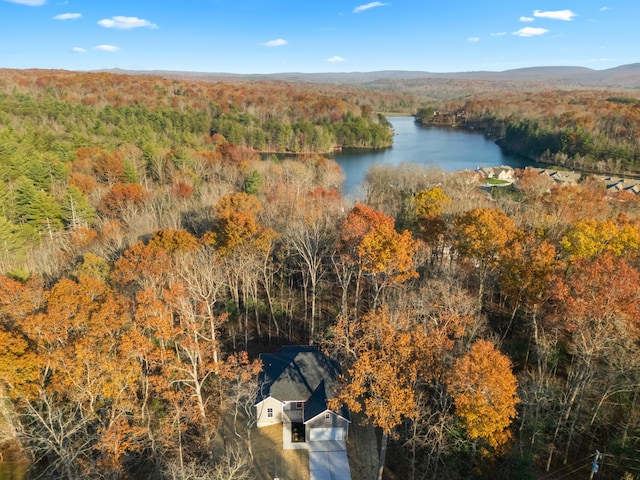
[566, 15]
[79, 49]
[126, 23]
[106, 48]
[335, 59]
[530, 32]
[278, 42]
[604, 9]
[362, 8]
[526, 19]
[29, 3]
[67, 16]
[473, 39]
[498, 34]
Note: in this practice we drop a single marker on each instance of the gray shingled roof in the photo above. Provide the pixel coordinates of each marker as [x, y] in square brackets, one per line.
[300, 374]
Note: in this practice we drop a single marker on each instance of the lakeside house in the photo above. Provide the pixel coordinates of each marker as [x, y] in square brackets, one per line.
[612, 184]
[563, 177]
[503, 172]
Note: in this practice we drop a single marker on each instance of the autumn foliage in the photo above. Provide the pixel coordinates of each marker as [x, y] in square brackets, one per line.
[484, 393]
[149, 252]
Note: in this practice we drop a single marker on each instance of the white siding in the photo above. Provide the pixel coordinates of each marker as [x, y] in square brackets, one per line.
[262, 412]
[332, 428]
[325, 434]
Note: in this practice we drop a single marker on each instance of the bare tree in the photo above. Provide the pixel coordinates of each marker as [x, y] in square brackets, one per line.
[312, 236]
[204, 281]
[235, 464]
[58, 435]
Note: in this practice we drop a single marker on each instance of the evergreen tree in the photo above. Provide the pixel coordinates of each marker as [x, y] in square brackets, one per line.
[45, 212]
[10, 239]
[253, 183]
[76, 210]
[37, 208]
[39, 173]
[25, 192]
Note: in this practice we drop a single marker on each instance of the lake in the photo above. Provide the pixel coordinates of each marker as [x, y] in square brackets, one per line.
[449, 149]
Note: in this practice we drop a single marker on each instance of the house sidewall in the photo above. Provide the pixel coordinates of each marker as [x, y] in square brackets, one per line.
[262, 412]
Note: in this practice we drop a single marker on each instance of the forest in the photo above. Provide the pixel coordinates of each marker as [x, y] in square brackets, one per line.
[151, 251]
[587, 130]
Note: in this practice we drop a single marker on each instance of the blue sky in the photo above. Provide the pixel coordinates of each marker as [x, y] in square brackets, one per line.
[270, 36]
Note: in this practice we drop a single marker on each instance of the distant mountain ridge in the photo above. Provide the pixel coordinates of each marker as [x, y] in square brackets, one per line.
[624, 76]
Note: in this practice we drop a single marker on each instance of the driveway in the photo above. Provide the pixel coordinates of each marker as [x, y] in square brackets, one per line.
[328, 461]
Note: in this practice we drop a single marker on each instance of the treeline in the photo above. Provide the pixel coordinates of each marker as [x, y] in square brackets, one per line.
[68, 139]
[587, 130]
[349, 131]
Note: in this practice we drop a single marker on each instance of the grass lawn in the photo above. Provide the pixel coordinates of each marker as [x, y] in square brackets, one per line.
[497, 181]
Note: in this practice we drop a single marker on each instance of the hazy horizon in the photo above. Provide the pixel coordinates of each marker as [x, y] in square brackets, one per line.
[251, 37]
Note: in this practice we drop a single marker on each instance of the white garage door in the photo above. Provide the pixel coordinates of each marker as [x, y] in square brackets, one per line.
[324, 434]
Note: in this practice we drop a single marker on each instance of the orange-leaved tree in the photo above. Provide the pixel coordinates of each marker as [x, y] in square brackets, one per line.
[87, 387]
[369, 244]
[387, 257]
[244, 245]
[484, 393]
[347, 262]
[237, 224]
[480, 237]
[383, 376]
[19, 368]
[594, 314]
[527, 266]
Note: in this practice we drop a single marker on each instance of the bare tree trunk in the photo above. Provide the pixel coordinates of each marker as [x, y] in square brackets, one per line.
[344, 274]
[314, 282]
[180, 445]
[267, 281]
[625, 436]
[383, 453]
[356, 304]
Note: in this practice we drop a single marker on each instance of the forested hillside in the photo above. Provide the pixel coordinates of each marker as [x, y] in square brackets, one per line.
[73, 147]
[595, 131]
[148, 259]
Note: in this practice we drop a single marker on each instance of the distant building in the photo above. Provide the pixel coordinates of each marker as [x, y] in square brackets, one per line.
[612, 184]
[620, 184]
[503, 172]
[562, 177]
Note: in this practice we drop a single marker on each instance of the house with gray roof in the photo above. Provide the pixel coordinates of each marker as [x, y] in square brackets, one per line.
[563, 177]
[295, 385]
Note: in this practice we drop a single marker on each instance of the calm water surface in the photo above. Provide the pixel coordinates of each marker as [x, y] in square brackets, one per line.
[446, 148]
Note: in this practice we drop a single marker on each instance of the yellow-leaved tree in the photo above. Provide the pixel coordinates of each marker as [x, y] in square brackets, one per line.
[589, 238]
[430, 224]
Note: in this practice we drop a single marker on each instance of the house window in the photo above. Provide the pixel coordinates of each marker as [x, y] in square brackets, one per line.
[298, 405]
[269, 412]
[327, 416]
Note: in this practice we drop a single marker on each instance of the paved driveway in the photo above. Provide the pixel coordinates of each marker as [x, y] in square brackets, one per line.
[328, 462]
